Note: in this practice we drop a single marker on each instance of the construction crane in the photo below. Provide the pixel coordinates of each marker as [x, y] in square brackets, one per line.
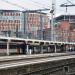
[67, 5]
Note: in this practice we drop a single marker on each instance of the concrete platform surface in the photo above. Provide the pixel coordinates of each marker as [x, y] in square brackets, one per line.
[6, 65]
[33, 56]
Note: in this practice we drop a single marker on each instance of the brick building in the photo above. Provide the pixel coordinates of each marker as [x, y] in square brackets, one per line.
[22, 23]
[46, 34]
[35, 21]
[65, 28]
[10, 21]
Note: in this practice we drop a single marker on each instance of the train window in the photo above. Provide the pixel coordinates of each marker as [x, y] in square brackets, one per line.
[3, 46]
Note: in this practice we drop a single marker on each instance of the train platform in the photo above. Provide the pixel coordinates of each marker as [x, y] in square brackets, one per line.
[33, 56]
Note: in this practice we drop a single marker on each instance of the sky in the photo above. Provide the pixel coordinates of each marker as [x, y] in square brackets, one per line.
[36, 4]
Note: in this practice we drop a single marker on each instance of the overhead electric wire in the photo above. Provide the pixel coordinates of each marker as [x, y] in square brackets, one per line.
[40, 4]
[69, 1]
[14, 4]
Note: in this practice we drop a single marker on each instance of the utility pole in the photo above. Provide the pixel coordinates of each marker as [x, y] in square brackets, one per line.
[52, 21]
[67, 5]
[41, 26]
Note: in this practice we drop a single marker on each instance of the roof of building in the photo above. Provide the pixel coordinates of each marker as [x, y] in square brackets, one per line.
[9, 10]
[27, 11]
[34, 11]
[62, 17]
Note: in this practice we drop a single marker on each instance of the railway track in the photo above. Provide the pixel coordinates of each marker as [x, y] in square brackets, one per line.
[41, 64]
[32, 59]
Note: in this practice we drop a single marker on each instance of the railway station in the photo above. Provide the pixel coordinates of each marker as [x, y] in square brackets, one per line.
[37, 37]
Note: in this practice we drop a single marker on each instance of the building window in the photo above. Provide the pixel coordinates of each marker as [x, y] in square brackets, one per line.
[17, 14]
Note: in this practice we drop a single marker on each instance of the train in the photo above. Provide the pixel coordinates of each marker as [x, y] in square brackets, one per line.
[11, 45]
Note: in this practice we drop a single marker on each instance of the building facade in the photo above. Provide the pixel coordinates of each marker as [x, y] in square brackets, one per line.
[46, 34]
[65, 28]
[10, 21]
[35, 21]
[22, 23]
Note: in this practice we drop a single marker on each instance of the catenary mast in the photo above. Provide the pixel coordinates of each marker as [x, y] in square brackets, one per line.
[52, 21]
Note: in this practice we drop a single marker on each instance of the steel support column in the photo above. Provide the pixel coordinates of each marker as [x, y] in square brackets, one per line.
[55, 48]
[8, 52]
[34, 50]
[41, 49]
[27, 50]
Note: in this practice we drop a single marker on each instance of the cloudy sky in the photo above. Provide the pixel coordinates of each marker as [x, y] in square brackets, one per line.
[36, 4]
